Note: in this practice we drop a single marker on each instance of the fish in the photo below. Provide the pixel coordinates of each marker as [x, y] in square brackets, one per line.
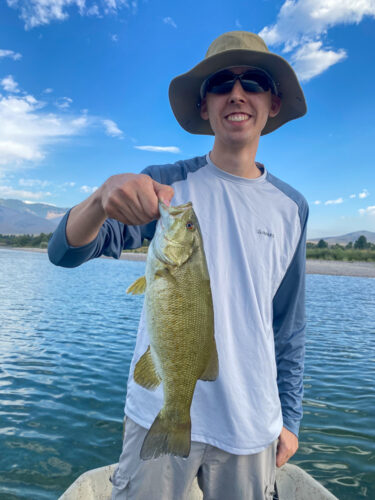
[180, 324]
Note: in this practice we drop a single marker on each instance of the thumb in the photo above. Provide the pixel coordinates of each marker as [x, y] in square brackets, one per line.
[163, 192]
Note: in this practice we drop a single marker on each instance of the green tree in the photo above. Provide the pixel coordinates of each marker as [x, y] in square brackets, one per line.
[322, 244]
[361, 243]
[349, 246]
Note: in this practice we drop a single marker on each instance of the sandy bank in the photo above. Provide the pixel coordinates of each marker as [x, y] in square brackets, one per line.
[341, 268]
[330, 267]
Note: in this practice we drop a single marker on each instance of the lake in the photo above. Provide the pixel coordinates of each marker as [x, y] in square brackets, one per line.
[66, 341]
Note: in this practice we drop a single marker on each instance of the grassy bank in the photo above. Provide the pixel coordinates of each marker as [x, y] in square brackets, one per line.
[25, 240]
[366, 255]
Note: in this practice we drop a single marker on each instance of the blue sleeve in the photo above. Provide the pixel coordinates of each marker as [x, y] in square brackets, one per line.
[289, 324]
[113, 237]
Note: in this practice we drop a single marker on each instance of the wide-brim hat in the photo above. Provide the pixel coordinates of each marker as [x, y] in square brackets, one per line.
[236, 48]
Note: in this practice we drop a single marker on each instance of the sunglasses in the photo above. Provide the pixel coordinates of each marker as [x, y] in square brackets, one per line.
[252, 80]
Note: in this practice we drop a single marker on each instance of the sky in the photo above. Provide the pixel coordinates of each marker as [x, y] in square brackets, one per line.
[84, 95]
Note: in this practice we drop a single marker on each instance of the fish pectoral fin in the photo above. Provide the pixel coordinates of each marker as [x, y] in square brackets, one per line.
[145, 373]
[212, 369]
[138, 287]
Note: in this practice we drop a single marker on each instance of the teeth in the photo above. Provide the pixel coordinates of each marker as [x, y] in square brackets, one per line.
[237, 118]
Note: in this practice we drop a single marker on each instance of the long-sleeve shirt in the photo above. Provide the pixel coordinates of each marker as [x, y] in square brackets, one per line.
[254, 235]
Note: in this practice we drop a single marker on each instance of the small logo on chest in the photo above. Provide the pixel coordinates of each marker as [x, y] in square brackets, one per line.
[265, 233]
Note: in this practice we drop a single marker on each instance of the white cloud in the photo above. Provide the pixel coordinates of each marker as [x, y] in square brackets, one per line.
[63, 102]
[111, 128]
[10, 53]
[301, 25]
[39, 12]
[317, 202]
[47, 91]
[9, 192]
[25, 131]
[159, 149]
[334, 202]
[88, 189]
[33, 183]
[35, 202]
[367, 211]
[9, 84]
[169, 20]
[69, 184]
[311, 60]
[363, 194]
[352, 196]
[93, 11]
[238, 24]
[114, 38]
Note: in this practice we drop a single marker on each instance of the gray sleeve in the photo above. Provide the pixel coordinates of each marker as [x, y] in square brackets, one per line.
[289, 325]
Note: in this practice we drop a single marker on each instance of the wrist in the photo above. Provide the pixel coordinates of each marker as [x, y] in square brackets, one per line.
[96, 205]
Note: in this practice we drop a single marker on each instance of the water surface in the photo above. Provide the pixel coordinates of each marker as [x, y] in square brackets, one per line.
[66, 341]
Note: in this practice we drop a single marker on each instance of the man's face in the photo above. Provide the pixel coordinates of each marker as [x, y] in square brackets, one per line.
[238, 117]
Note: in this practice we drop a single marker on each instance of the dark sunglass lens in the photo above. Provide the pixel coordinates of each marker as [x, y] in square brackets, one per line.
[257, 78]
[262, 79]
[219, 79]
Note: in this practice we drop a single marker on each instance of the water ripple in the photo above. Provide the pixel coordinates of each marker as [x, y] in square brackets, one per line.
[66, 342]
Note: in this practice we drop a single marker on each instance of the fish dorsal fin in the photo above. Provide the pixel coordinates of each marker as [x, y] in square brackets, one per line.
[138, 287]
[145, 373]
[212, 369]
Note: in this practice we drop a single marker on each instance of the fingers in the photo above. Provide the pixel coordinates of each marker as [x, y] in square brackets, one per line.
[286, 448]
[133, 198]
[163, 192]
[282, 455]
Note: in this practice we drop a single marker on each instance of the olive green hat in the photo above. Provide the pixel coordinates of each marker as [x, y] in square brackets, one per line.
[235, 48]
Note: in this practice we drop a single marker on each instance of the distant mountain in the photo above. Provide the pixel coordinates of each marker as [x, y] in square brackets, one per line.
[17, 217]
[346, 238]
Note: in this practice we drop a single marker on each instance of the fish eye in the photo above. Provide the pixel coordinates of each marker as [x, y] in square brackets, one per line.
[190, 226]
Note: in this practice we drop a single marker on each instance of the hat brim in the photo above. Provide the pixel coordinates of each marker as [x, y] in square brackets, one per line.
[184, 89]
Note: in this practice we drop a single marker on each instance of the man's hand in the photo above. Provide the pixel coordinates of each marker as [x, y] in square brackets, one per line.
[286, 448]
[129, 198]
[133, 198]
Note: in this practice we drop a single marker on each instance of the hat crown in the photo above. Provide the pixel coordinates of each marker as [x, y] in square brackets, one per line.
[234, 40]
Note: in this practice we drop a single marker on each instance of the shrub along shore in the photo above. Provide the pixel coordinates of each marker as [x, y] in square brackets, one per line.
[359, 251]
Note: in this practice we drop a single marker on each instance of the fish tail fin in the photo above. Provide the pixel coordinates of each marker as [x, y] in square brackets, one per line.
[167, 438]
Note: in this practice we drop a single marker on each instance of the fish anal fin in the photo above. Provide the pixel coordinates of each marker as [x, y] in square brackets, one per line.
[212, 369]
[167, 438]
[145, 373]
[138, 287]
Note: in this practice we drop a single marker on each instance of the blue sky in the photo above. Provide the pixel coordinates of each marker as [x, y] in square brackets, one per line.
[84, 95]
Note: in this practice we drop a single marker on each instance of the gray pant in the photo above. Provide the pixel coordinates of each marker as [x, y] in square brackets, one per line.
[221, 475]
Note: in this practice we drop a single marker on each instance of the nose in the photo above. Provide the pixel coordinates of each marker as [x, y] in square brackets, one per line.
[237, 94]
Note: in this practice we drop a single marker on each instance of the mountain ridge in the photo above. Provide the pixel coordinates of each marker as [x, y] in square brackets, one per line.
[344, 239]
[18, 217]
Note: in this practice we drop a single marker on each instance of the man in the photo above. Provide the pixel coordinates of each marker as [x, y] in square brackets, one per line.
[254, 231]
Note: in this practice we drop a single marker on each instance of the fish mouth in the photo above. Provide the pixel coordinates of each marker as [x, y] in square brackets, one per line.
[177, 210]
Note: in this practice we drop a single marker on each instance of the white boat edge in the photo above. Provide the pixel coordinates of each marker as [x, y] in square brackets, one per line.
[293, 483]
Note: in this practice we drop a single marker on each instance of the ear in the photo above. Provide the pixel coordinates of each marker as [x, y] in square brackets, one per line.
[275, 106]
[203, 109]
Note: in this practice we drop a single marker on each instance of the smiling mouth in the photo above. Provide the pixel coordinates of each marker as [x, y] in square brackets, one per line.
[238, 117]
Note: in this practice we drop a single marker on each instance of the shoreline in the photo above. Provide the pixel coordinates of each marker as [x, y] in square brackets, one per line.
[357, 269]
